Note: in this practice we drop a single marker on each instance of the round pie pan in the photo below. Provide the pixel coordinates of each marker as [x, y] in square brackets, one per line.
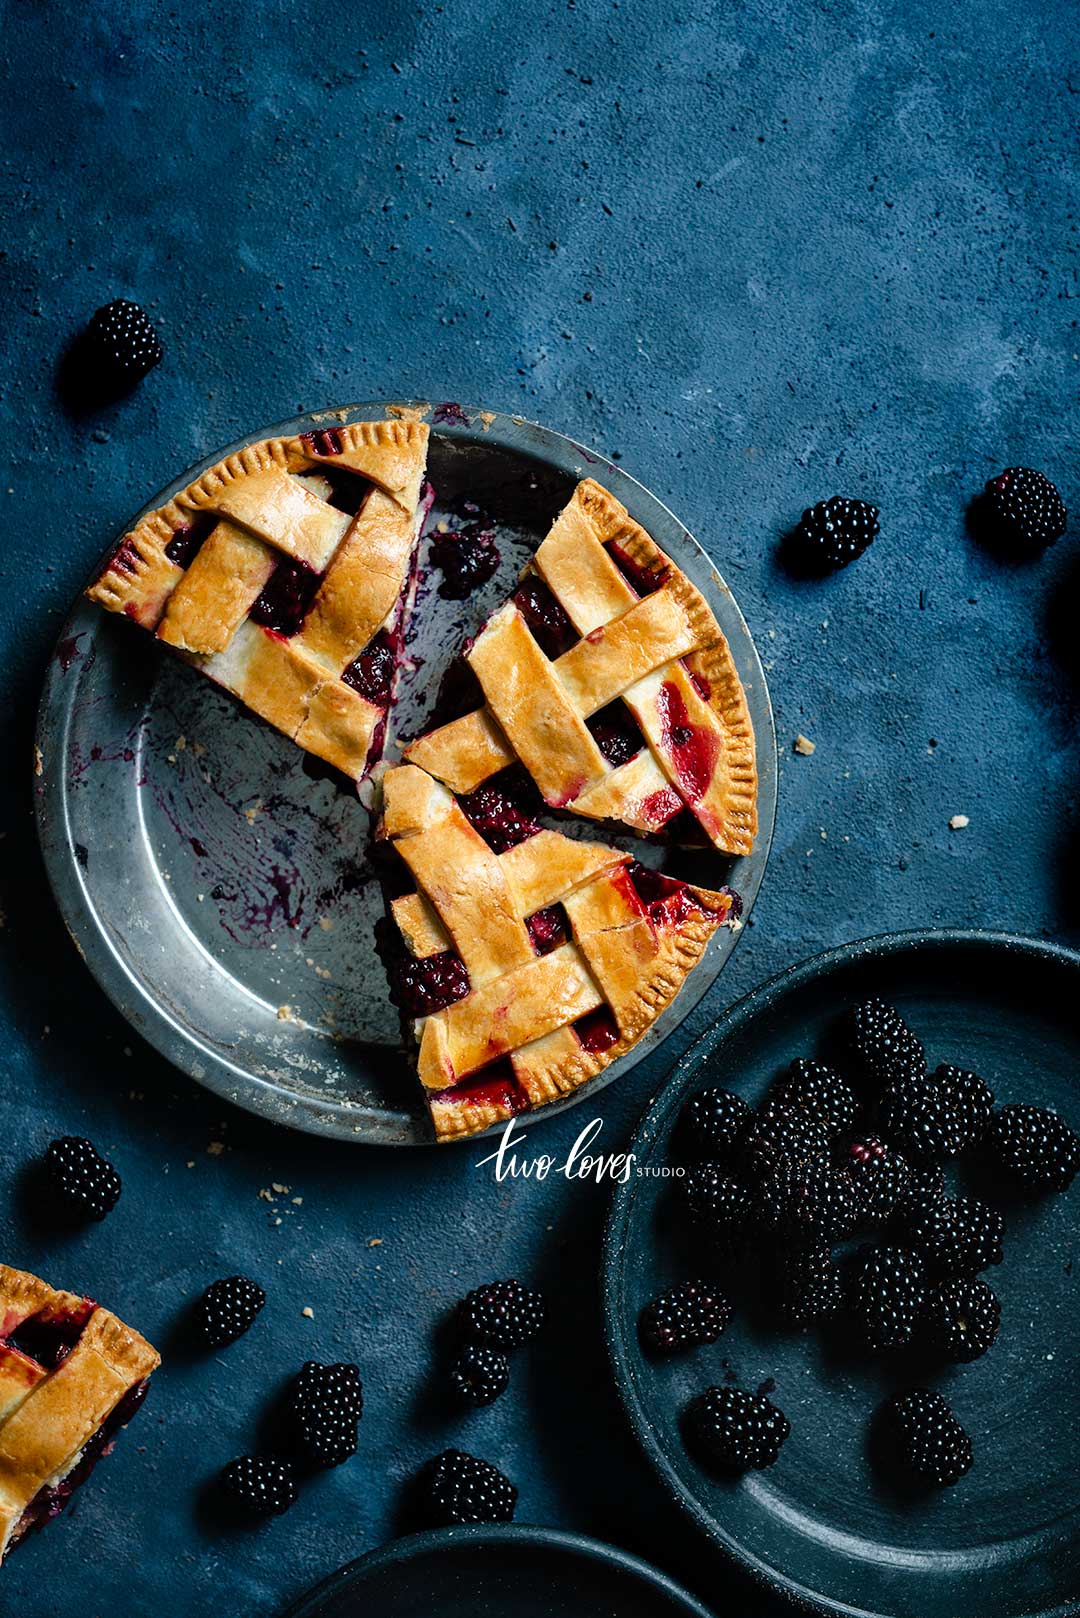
[216, 882]
[499, 1572]
[825, 1525]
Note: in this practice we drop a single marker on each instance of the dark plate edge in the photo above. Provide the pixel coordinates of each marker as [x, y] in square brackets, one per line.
[436, 1539]
[621, 1352]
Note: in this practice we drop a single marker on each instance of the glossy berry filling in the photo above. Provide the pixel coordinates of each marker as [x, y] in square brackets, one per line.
[421, 986]
[693, 748]
[372, 673]
[467, 556]
[667, 901]
[288, 593]
[494, 1086]
[598, 1031]
[616, 733]
[186, 542]
[548, 929]
[327, 442]
[499, 818]
[644, 580]
[550, 627]
[48, 1339]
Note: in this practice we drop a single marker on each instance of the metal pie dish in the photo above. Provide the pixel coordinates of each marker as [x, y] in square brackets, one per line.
[495, 1571]
[216, 880]
[827, 1524]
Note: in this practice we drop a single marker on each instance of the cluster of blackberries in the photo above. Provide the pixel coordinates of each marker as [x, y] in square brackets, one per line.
[490, 1322]
[830, 1153]
[1019, 513]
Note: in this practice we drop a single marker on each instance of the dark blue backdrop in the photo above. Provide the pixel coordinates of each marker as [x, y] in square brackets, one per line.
[763, 252]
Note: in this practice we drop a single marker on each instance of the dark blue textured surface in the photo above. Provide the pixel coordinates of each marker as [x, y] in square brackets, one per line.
[764, 253]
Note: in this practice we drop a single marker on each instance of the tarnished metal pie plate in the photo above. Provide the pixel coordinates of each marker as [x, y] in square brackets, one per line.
[217, 883]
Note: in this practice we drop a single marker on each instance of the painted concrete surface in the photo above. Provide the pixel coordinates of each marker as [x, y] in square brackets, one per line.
[763, 253]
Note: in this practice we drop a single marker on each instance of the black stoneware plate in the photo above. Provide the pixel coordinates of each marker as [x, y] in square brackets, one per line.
[498, 1572]
[823, 1524]
[216, 884]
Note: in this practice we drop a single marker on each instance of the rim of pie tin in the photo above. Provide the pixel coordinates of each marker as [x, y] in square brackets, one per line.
[142, 993]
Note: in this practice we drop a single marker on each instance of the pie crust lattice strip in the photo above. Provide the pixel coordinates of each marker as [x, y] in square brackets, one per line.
[545, 961]
[607, 629]
[258, 576]
[71, 1374]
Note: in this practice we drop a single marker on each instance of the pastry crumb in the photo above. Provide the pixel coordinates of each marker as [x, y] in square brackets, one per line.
[282, 1190]
[191, 1163]
[308, 1312]
[284, 1014]
[215, 1148]
[958, 822]
[298, 1201]
[39, 762]
[804, 745]
[376, 1241]
[253, 811]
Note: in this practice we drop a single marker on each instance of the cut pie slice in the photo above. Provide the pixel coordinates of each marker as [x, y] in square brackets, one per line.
[280, 573]
[525, 960]
[608, 678]
[71, 1375]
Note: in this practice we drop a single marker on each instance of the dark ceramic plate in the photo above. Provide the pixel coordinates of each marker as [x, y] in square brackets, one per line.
[512, 1572]
[824, 1524]
[217, 886]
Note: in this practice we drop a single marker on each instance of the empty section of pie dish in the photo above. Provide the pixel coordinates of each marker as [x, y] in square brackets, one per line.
[223, 891]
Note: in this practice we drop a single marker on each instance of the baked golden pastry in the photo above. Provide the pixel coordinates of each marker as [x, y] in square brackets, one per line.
[280, 573]
[71, 1375]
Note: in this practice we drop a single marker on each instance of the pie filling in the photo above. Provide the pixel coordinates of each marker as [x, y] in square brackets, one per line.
[466, 556]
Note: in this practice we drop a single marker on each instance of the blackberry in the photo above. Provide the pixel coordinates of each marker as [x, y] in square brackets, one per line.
[887, 1293]
[1023, 511]
[324, 1405]
[502, 1313]
[712, 1124]
[961, 1319]
[882, 1046]
[1035, 1147]
[922, 1118]
[809, 1284]
[881, 1177]
[735, 1430]
[814, 1088]
[84, 1183]
[258, 1486]
[480, 1374]
[955, 1235]
[927, 1184]
[836, 531]
[809, 1201]
[227, 1309]
[685, 1317]
[971, 1099]
[459, 1488]
[777, 1135]
[928, 1438]
[717, 1206]
[120, 345]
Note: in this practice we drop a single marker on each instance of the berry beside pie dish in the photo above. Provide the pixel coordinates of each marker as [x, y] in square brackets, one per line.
[71, 1375]
[281, 574]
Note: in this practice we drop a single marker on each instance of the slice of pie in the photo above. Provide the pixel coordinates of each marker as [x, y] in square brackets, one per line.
[280, 573]
[71, 1375]
[608, 678]
[524, 960]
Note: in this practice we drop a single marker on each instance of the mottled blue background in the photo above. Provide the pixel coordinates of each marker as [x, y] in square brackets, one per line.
[762, 252]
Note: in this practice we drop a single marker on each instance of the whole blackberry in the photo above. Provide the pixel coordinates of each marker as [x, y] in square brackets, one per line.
[929, 1440]
[970, 1097]
[956, 1235]
[809, 1201]
[324, 1405]
[836, 531]
[881, 1177]
[927, 1184]
[712, 1125]
[258, 1486]
[777, 1135]
[882, 1046]
[84, 1183]
[736, 1430]
[717, 1206]
[922, 1118]
[684, 1317]
[479, 1374]
[814, 1088]
[1023, 510]
[961, 1319]
[502, 1313]
[809, 1284]
[120, 344]
[1035, 1147]
[226, 1310]
[887, 1292]
[459, 1488]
